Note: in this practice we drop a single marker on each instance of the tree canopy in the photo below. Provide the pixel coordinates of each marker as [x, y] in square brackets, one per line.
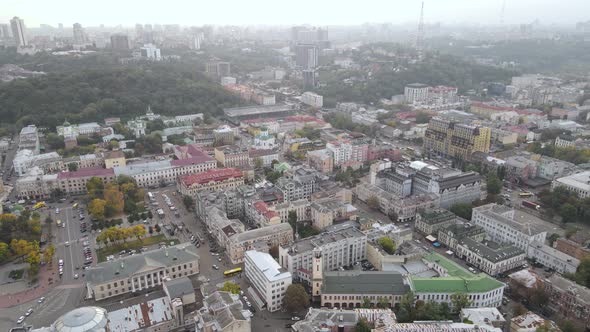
[296, 298]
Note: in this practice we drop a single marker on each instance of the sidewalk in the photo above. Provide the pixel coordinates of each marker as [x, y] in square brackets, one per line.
[35, 292]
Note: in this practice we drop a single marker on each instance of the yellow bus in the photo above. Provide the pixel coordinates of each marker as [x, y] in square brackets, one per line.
[525, 194]
[75, 205]
[39, 205]
[232, 272]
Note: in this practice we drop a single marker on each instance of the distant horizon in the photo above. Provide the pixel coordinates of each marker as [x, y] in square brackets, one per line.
[303, 12]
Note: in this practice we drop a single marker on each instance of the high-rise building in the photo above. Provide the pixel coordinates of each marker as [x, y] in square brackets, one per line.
[79, 34]
[19, 31]
[151, 52]
[119, 42]
[448, 138]
[218, 69]
[309, 79]
[415, 92]
[4, 31]
[306, 56]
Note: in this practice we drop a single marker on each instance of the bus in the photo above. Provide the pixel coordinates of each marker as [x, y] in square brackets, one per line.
[75, 205]
[525, 194]
[232, 272]
[39, 205]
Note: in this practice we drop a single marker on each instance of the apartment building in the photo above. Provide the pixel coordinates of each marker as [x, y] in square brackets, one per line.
[396, 181]
[267, 277]
[451, 235]
[552, 258]
[502, 226]
[490, 257]
[298, 183]
[114, 159]
[28, 139]
[415, 92]
[568, 298]
[258, 213]
[325, 212]
[578, 183]
[232, 156]
[451, 185]
[35, 186]
[341, 245]
[215, 179]
[321, 160]
[141, 271]
[344, 151]
[430, 222]
[452, 139]
[74, 183]
[312, 99]
[300, 207]
[260, 239]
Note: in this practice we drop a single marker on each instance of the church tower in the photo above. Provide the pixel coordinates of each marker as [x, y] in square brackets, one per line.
[317, 275]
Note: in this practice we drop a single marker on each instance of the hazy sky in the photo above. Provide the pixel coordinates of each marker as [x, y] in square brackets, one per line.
[319, 12]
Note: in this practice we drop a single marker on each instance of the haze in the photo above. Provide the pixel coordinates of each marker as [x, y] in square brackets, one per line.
[188, 12]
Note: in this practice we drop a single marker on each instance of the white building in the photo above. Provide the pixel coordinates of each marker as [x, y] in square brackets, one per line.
[342, 151]
[25, 159]
[68, 130]
[151, 52]
[552, 258]
[312, 99]
[578, 183]
[415, 93]
[29, 139]
[502, 226]
[267, 277]
[490, 257]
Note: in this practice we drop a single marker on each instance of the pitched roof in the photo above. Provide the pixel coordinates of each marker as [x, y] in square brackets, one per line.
[364, 282]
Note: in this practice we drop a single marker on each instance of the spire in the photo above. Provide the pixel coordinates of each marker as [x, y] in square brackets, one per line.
[420, 35]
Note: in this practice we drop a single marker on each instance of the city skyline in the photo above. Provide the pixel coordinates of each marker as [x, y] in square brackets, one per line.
[128, 13]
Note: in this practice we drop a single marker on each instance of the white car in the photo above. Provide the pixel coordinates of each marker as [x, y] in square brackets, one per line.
[61, 262]
[29, 312]
[20, 319]
[76, 276]
[56, 210]
[67, 243]
[41, 299]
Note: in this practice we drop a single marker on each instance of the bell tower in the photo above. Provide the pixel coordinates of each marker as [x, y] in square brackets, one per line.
[317, 275]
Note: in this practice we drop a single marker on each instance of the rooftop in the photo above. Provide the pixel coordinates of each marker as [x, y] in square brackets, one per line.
[264, 262]
[334, 234]
[257, 233]
[364, 282]
[437, 216]
[256, 110]
[580, 180]
[143, 167]
[492, 251]
[521, 221]
[86, 172]
[140, 316]
[127, 266]
[581, 293]
[212, 175]
[179, 287]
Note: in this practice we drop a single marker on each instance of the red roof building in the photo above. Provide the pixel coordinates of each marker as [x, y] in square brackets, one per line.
[219, 178]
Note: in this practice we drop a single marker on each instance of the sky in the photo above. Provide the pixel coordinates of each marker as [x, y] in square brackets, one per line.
[287, 12]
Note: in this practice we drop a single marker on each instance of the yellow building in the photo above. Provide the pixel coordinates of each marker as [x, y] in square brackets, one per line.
[115, 159]
[448, 138]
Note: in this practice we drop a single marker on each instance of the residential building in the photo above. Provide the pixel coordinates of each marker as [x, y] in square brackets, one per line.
[267, 277]
[156, 173]
[35, 185]
[344, 151]
[260, 239]
[300, 207]
[530, 322]
[397, 181]
[415, 92]
[449, 138]
[28, 139]
[120, 42]
[350, 289]
[565, 141]
[180, 288]
[298, 183]
[112, 121]
[325, 212]
[312, 99]
[407, 208]
[150, 52]
[266, 156]
[218, 69]
[74, 183]
[217, 179]
[310, 78]
[321, 160]
[552, 258]
[451, 185]
[141, 271]
[430, 222]
[502, 225]
[343, 319]
[340, 245]
[27, 159]
[19, 32]
[222, 312]
[451, 235]
[520, 168]
[306, 56]
[232, 156]
[568, 298]
[578, 183]
[223, 135]
[258, 213]
[490, 257]
[481, 289]
[444, 326]
[115, 159]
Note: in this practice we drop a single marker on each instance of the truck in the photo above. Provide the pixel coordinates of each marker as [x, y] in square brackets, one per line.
[531, 205]
[160, 213]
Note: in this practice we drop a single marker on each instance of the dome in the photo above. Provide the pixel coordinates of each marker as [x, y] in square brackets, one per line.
[85, 319]
[66, 123]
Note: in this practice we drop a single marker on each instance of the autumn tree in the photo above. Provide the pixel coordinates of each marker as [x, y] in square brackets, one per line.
[21, 248]
[114, 199]
[94, 187]
[4, 251]
[48, 254]
[231, 287]
[373, 202]
[97, 208]
[387, 244]
[138, 231]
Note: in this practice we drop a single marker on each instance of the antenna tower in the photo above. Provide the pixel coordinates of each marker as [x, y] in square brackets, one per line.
[420, 36]
[502, 12]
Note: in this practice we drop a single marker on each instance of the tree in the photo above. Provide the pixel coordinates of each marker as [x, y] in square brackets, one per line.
[115, 201]
[373, 202]
[460, 301]
[138, 231]
[54, 141]
[519, 309]
[72, 167]
[4, 251]
[157, 228]
[97, 208]
[296, 298]
[258, 163]
[151, 230]
[150, 214]
[274, 251]
[292, 219]
[407, 308]
[95, 187]
[422, 117]
[231, 287]
[188, 202]
[21, 248]
[393, 216]
[568, 212]
[48, 254]
[494, 185]
[366, 303]
[362, 326]
[462, 210]
[387, 244]
[547, 327]
[383, 303]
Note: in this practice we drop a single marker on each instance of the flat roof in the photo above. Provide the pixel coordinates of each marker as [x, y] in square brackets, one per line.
[215, 175]
[86, 172]
[364, 282]
[580, 180]
[256, 110]
[264, 262]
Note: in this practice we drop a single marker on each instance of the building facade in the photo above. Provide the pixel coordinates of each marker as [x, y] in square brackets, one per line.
[267, 277]
[215, 179]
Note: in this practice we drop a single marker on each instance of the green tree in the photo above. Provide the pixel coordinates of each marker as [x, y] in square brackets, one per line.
[4, 251]
[366, 303]
[292, 219]
[493, 183]
[387, 244]
[362, 326]
[460, 301]
[54, 141]
[568, 212]
[296, 298]
[463, 210]
[383, 303]
[94, 187]
[97, 208]
[407, 308]
[72, 167]
[258, 163]
[422, 117]
[188, 202]
[231, 287]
